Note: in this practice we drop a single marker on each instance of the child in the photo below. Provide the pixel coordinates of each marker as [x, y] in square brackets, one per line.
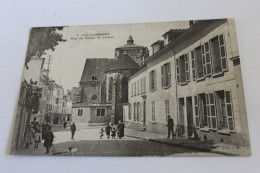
[113, 132]
[108, 129]
[101, 132]
[37, 137]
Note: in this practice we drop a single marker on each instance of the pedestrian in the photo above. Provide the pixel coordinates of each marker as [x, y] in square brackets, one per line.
[120, 129]
[108, 129]
[64, 124]
[44, 129]
[37, 137]
[29, 136]
[72, 129]
[48, 140]
[35, 124]
[170, 125]
[101, 132]
[113, 132]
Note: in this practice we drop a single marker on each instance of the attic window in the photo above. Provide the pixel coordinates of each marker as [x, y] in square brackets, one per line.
[94, 78]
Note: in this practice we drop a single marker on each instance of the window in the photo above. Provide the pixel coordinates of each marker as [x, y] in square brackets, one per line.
[153, 111]
[134, 111]
[167, 109]
[193, 66]
[137, 88]
[202, 108]
[94, 97]
[137, 111]
[110, 88]
[224, 111]
[101, 112]
[199, 62]
[129, 111]
[58, 92]
[80, 111]
[218, 54]
[93, 78]
[166, 75]
[57, 100]
[134, 88]
[182, 67]
[144, 85]
[152, 78]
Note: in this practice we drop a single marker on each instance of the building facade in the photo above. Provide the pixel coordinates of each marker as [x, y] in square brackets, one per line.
[196, 79]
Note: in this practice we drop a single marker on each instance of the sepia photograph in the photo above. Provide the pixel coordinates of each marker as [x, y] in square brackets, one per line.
[165, 89]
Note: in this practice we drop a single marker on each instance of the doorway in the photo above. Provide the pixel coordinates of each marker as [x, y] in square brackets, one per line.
[189, 116]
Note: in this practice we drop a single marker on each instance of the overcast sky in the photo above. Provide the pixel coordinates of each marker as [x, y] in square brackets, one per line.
[69, 57]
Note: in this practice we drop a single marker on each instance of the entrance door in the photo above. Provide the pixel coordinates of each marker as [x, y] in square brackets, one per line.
[144, 112]
[189, 116]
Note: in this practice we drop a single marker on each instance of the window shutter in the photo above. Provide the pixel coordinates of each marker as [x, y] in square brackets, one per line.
[144, 84]
[150, 81]
[193, 65]
[178, 70]
[229, 111]
[197, 121]
[187, 70]
[169, 74]
[162, 75]
[212, 109]
[222, 52]
[203, 59]
[207, 58]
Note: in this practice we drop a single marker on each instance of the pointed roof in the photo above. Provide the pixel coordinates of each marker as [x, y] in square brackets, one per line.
[124, 62]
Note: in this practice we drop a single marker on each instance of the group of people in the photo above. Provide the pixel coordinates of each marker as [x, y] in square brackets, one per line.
[113, 129]
[37, 134]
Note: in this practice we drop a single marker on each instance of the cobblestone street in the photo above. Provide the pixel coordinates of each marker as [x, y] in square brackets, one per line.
[88, 143]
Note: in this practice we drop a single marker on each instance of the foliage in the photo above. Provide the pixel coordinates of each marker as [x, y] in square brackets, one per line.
[33, 96]
[42, 39]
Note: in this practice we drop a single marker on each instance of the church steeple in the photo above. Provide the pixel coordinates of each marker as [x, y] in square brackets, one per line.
[130, 40]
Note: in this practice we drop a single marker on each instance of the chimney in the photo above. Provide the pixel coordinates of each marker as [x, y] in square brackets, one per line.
[158, 45]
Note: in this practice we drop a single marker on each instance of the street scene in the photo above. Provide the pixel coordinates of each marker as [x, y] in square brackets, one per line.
[88, 143]
[154, 89]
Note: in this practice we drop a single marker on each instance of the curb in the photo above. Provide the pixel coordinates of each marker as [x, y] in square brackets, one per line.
[186, 146]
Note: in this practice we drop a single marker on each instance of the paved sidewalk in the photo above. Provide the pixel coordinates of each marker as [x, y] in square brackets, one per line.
[205, 146]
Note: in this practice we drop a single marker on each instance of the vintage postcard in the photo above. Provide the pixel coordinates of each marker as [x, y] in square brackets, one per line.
[147, 89]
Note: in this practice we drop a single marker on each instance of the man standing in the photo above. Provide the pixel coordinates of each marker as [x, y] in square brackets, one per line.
[170, 125]
[72, 129]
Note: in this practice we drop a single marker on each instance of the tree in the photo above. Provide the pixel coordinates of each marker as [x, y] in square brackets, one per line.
[42, 39]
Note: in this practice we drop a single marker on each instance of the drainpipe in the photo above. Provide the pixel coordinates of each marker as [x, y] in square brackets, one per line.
[176, 80]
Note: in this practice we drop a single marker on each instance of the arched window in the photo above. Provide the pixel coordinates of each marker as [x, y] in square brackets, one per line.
[94, 78]
[110, 87]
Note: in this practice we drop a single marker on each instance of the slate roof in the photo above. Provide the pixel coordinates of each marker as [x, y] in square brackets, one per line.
[124, 62]
[130, 46]
[96, 67]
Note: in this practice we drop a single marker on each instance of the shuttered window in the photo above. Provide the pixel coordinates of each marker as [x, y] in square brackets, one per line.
[229, 110]
[166, 75]
[153, 111]
[207, 59]
[152, 78]
[193, 66]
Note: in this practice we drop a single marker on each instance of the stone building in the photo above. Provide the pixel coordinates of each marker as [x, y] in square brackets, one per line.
[196, 79]
[137, 53]
[103, 86]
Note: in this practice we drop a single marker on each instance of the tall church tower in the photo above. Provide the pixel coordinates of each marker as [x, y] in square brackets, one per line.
[137, 53]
